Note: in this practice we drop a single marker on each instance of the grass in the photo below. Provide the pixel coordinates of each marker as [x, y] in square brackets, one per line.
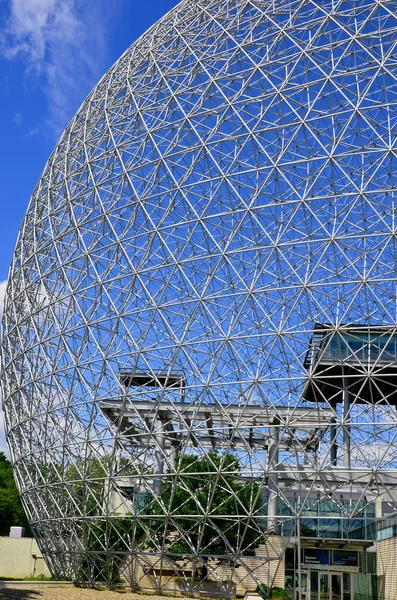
[40, 577]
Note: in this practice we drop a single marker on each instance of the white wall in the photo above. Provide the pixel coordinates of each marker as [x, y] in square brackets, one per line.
[21, 557]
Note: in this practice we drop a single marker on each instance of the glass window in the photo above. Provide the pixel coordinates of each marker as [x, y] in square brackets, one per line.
[289, 580]
[329, 508]
[337, 348]
[314, 575]
[263, 508]
[390, 350]
[331, 528]
[288, 527]
[303, 583]
[324, 586]
[346, 586]
[286, 508]
[290, 558]
[336, 586]
[360, 346]
[357, 529]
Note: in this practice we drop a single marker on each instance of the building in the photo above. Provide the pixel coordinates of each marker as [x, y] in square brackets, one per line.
[327, 534]
[199, 332]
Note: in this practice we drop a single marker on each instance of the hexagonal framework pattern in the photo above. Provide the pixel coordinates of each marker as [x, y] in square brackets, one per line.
[199, 334]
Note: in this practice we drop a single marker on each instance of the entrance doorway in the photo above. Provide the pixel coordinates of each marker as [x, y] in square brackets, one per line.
[330, 585]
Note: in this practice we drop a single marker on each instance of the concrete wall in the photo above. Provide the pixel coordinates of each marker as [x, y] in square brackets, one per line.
[386, 568]
[148, 572]
[21, 557]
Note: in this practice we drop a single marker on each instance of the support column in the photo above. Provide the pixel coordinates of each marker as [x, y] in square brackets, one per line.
[272, 462]
[378, 508]
[173, 455]
[346, 427]
[334, 442]
[299, 557]
[159, 457]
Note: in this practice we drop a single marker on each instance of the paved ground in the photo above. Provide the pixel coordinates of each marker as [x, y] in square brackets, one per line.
[53, 593]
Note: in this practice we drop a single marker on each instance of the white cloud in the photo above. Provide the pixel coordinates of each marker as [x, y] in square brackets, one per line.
[3, 286]
[27, 26]
[64, 43]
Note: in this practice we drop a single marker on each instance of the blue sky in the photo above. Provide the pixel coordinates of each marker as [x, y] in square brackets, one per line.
[52, 52]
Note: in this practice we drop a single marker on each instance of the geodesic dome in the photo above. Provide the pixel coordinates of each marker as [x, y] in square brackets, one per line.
[199, 334]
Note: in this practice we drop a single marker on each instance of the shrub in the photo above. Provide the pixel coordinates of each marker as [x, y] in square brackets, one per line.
[277, 593]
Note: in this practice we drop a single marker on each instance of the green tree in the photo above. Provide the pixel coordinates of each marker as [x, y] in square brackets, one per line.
[205, 510]
[11, 511]
[106, 540]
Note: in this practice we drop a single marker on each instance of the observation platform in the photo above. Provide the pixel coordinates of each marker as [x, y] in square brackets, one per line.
[161, 380]
[167, 426]
[214, 425]
[141, 422]
[362, 360]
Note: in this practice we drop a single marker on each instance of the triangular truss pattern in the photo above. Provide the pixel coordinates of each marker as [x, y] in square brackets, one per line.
[200, 330]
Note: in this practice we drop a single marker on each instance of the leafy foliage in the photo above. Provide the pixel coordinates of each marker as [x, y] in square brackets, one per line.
[198, 501]
[195, 513]
[106, 544]
[11, 511]
[106, 541]
[276, 593]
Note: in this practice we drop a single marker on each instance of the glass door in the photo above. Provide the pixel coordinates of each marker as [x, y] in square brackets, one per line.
[314, 576]
[336, 586]
[304, 587]
[323, 586]
[330, 586]
[347, 586]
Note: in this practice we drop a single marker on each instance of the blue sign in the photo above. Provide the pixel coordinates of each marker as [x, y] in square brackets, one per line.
[345, 558]
[315, 556]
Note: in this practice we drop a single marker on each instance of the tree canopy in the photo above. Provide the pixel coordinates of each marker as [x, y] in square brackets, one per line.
[206, 508]
[11, 511]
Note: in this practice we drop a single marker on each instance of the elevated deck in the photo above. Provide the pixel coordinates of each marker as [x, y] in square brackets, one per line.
[213, 425]
[362, 360]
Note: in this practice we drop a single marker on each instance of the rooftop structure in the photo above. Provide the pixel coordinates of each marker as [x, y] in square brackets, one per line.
[365, 357]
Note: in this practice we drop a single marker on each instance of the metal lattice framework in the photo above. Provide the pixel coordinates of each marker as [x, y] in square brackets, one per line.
[199, 334]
